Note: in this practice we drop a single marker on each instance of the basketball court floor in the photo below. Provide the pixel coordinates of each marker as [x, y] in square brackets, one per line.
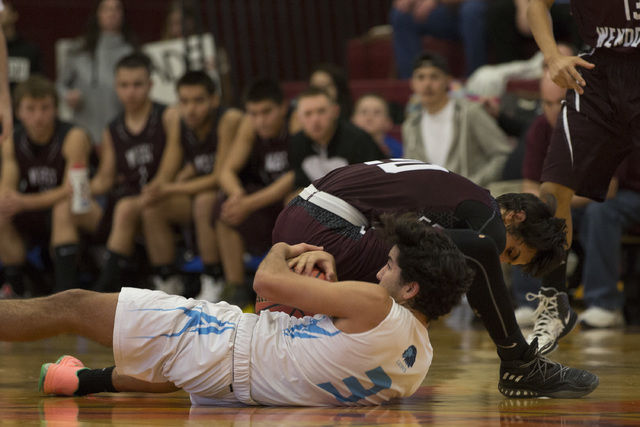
[460, 389]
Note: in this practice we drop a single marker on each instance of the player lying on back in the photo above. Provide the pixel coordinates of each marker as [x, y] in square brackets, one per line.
[351, 355]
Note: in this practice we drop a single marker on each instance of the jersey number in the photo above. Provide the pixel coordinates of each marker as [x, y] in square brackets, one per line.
[405, 165]
[379, 378]
[627, 10]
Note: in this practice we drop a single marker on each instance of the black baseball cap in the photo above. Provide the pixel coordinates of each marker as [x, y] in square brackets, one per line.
[431, 59]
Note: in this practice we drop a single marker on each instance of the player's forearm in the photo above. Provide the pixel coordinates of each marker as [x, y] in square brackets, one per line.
[192, 186]
[276, 192]
[541, 27]
[100, 184]
[44, 200]
[230, 183]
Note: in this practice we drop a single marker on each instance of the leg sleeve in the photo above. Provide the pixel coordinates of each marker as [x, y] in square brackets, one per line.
[488, 294]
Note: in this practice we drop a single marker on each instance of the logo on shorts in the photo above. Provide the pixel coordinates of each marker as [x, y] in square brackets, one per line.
[408, 358]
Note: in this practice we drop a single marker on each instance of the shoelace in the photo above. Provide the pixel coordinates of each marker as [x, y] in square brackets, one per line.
[546, 314]
[542, 364]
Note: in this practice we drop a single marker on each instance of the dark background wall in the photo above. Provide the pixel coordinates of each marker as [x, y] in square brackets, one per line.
[279, 38]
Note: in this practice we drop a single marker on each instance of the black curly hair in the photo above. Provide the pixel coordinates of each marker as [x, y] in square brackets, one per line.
[429, 257]
[540, 230]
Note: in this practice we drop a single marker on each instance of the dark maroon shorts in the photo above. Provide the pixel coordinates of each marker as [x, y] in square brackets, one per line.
[34, 227]
[359, 255]
[598, 129]
[256, 229]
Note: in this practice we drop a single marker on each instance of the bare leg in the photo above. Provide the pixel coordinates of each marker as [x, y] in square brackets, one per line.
[75, 311]
[207, 239]
[126, 221]
[12, 248]
[157, 220]
[232, 256]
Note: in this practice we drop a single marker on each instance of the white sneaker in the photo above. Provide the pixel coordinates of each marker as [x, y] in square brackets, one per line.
[553, 319]
[524, 316]
[596, 317]
[171, 286]
[210, 289]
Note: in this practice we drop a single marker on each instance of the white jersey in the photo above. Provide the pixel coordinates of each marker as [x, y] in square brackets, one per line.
[218, 354]
[309, 361]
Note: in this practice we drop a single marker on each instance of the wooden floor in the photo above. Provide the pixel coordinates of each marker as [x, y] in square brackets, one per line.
[460, 390]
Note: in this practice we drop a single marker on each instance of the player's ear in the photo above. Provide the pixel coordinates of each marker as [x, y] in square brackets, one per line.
[514, 217]
[411, 289]
[519, 216]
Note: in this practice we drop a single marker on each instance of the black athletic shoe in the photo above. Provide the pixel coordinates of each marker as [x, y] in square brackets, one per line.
[554, 318]
[537, 376]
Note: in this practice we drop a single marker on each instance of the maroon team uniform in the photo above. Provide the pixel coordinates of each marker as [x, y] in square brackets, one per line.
[440, 198]
[201, 154]
[599, 128]
[267, 162]
[137, 160]
[41, 168]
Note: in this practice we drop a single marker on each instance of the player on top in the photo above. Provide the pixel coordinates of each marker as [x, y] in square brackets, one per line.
[341, 210]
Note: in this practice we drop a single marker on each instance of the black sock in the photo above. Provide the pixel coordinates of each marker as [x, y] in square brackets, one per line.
[557, 278]
[95, 381]
[65, 267]
[165, 271]
[513, 347]
[111, 277]
[13, 276]
[214, 270]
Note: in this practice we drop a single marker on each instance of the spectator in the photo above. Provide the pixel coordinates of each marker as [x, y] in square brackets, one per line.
[373, 116]
[181, 21]
[180, 14]
[33, 187]
[455, 133]
[206, 133]
[86, 82]
[325, 142]
[255, 180]
[334, 80]
[448, 19]
[23, 56]
[138, 151]
[514, 114]
[600, 230]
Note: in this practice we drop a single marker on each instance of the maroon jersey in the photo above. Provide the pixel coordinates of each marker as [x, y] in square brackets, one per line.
[138, 156]
[41, 166]
[437, 196]
[202, 154]
[610, 24]
[398, 186]
[269, 160]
